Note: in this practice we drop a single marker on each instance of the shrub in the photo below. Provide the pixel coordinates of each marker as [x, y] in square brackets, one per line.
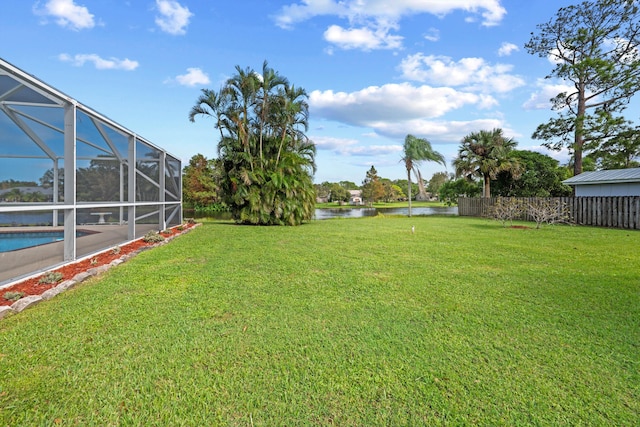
[116, 250]
[51, 277]
[548, 211]
[204, 210]
[507, 209]
[153, 237]
[13, 295]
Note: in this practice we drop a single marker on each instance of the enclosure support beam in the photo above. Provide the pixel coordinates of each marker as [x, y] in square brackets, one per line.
[56, 190]
[163, 189]
[70, 181]
[131, 215]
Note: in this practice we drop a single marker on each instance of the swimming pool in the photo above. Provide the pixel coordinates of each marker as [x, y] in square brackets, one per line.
[14, 240]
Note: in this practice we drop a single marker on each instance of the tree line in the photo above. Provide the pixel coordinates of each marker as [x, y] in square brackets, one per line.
[529, 174]
[265, 165]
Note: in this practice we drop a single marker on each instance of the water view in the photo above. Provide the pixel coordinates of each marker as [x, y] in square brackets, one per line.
[360, 212]
[328, 213]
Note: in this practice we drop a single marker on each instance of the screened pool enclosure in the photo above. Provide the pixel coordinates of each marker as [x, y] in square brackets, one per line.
[74, 174]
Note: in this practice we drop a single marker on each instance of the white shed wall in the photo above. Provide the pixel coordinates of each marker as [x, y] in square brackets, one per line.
[608, 190]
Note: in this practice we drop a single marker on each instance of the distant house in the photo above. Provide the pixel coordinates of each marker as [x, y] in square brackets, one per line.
[355, 197]
[616, 182]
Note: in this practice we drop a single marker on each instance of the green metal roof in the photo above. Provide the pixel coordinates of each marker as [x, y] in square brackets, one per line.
[613, 176]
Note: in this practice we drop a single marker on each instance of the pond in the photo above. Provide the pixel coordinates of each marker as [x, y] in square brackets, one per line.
[363, 212]
[328, 213]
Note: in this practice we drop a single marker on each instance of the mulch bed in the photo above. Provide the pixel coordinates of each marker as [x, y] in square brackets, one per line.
[32, 286]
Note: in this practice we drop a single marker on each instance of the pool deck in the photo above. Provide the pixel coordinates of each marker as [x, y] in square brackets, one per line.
[22, 263]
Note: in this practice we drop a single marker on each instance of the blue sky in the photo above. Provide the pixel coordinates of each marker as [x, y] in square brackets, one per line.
[375, 70]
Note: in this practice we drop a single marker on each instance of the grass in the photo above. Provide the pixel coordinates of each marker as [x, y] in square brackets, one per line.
[341, 322]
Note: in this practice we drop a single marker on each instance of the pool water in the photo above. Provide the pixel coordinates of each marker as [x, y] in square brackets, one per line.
[14, 240]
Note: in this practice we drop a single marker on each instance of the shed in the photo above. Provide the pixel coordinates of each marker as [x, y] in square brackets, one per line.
[615, 182]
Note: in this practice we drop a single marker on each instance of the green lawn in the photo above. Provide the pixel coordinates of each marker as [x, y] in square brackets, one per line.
[340, 322]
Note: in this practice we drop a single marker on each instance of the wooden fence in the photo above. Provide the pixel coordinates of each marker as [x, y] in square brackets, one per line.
[616, 212]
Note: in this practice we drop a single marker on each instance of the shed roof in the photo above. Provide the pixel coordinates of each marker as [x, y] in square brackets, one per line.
[613, 176]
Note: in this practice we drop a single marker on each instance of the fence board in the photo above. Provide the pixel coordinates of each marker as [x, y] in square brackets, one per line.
[614, 212]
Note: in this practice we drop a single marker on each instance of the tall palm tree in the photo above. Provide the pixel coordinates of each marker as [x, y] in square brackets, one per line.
[415, 151]
[485, 154]
[211, 104]
[291, 116]
[270, 80]
[267, 160]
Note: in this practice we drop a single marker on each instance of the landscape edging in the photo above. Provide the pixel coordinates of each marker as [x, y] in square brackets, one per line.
[31, 300]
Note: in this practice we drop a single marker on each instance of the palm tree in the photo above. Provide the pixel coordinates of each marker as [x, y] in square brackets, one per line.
[485, 154]
[267, 160]
[270, 80]
[415, 151]
[211, 104]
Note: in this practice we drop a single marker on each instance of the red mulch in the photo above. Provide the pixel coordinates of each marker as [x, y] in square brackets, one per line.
[32, 287]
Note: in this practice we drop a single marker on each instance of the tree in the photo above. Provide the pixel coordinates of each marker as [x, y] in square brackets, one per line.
[620, 152]
[594, 45]
[349, 185]
[485, 154]
[34, 196]
[267, 160]
[14, 195]
[461, 187]
[323, 190]
[338, 193]
[392, 192]
[415, 151]
[372, 188]
[436, 181]
[541, 176]
[47, 181]
[199, 188]
[100, 181]
[404, 184]
[11, 183]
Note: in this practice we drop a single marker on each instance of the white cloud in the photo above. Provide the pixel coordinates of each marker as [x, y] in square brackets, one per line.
[362, 38]
[490, 11]
[294, 13]
[67, 14]
[100, 63]
[443, 131]
[353, 147]
[390, 102]
[473, 74]
[393, 110]
[194, 77]
[173, 18]
[330, 143]
[507, 49]
[433, 35]
[541, 99]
